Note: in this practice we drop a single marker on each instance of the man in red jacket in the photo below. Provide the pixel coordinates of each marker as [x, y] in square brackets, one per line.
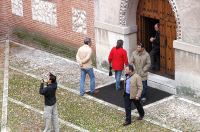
[118, 58]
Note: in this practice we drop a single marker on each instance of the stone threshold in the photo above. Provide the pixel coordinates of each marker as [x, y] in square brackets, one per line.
[161, 83]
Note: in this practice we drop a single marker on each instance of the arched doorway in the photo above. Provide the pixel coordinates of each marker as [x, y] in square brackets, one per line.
[150, 12]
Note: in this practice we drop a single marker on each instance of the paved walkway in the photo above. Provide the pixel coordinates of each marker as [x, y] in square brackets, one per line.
[5, 88]
[177, 113]
[41, 63]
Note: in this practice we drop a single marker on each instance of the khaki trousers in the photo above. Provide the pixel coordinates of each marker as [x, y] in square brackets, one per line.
[51, 118]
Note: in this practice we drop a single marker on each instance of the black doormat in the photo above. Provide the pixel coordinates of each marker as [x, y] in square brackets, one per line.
[109, 94]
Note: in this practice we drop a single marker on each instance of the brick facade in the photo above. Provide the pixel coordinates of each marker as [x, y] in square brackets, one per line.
[63, 31]
[3, 17]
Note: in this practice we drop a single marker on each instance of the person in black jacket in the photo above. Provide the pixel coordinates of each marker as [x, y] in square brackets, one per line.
[155, 52]
[50, 108]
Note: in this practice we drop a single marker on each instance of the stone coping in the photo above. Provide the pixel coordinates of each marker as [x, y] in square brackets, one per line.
[188, 47]
[116, 28]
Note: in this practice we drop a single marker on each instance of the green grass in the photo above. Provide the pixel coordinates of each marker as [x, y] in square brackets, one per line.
[21, 119]
[1, 67]
[1, 83]
[75, 109]
[64, 50]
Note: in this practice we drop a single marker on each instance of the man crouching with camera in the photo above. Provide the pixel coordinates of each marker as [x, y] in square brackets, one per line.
[50, 108]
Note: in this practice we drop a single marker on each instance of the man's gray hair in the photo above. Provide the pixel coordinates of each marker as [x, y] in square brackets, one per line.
[87, 40]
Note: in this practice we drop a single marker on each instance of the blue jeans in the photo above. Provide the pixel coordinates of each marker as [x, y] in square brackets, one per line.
[145, 87]
[118, 75]
[90, 72]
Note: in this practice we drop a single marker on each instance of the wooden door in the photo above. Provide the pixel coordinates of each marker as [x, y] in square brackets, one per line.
[150, 12]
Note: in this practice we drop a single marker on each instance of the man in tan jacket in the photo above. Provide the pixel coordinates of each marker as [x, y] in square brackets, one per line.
[132, 93]
[142, 62]
[83, 57]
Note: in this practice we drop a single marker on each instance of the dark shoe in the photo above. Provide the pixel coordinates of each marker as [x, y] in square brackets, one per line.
[119, 89]
[139, 118]
[81, 94]
[95, 92]
[126, 123]
[143, 101]
[152, 68]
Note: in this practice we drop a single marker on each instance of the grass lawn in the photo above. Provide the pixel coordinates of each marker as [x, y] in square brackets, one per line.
[73, 108]
[21, 119]
[1, 67]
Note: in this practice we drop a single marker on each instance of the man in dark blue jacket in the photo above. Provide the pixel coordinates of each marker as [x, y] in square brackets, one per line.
[155, 52]
[50, 109]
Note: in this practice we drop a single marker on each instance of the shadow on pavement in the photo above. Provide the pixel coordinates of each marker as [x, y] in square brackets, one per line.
[109, 94]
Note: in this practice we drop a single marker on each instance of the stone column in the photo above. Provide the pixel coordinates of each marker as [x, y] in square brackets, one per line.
[106, 36]
[187, 69]
[187, 49]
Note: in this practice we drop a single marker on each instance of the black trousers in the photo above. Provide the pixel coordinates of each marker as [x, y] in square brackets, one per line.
[127, 103]
[155, 58]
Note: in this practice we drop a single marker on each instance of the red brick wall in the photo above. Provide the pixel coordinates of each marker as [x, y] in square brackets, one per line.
[4, 24]
[63, 32]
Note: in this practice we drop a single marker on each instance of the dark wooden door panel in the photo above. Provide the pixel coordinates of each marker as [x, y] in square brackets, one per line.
[171, 35]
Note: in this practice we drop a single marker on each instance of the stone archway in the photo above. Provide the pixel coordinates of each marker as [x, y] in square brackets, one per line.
[126, 10]
[118, 21]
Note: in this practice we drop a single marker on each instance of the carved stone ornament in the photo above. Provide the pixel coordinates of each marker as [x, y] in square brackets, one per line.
[17, 7]
[44, 11]
[79, 21]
